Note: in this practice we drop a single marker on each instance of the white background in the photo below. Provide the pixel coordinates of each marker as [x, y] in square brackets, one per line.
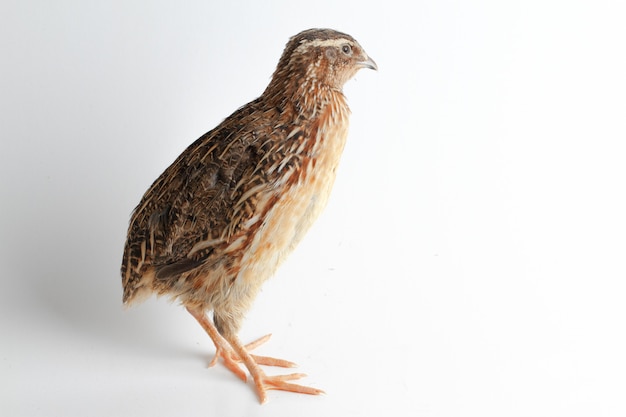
[472, 259]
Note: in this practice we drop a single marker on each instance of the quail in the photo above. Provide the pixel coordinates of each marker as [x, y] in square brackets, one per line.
[223, 216]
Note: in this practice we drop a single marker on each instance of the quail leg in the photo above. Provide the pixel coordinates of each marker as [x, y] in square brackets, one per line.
[265, 382]
[222, 347]
[226, 352]
[233, 352]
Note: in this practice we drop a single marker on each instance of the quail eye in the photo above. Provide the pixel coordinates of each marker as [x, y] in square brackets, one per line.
[346, 49]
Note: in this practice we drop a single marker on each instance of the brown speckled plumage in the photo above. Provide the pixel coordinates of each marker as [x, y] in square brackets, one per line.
[218, 222]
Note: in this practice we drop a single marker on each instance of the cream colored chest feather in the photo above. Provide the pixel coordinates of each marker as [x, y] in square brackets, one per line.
[293, 214]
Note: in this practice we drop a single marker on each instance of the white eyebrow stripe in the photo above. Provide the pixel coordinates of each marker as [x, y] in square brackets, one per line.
[324, 42]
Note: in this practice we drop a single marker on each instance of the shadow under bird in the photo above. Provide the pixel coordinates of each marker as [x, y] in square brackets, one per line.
[220, 220]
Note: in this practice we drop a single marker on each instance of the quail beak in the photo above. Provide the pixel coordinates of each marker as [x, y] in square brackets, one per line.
[368, 63]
